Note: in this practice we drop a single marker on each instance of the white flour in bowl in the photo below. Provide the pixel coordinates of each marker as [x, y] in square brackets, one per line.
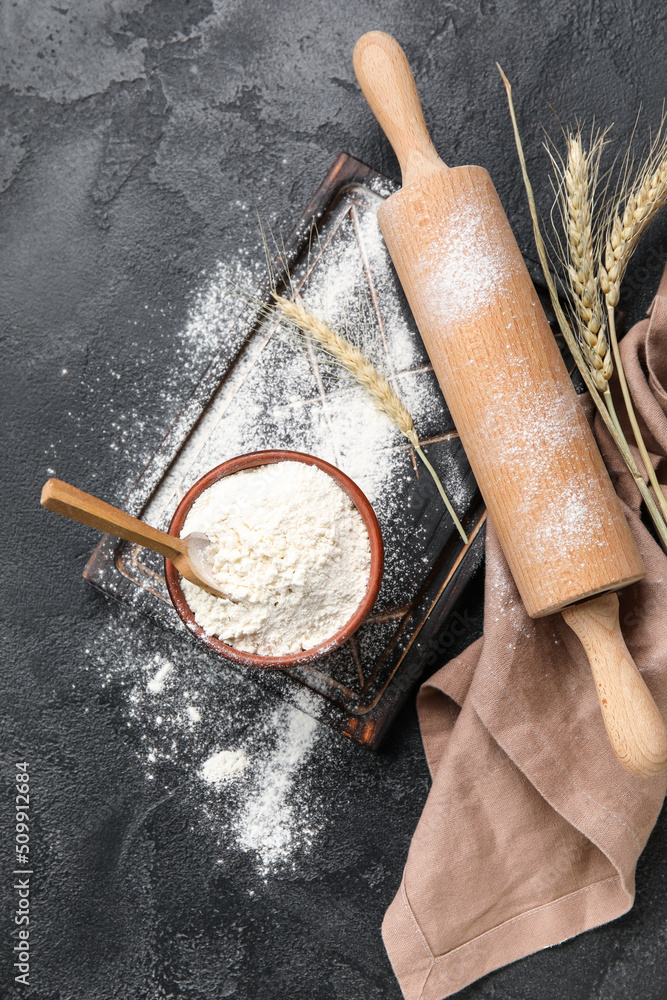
[291, 550]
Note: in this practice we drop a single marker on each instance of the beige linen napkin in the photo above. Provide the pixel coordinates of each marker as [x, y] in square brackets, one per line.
[532, 829]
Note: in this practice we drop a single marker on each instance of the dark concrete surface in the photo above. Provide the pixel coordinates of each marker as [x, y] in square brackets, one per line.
[137, 140]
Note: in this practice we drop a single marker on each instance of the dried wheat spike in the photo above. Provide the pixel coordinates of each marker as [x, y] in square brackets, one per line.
[357, 364]
[579, 179]
[379, 388]
[626, 225]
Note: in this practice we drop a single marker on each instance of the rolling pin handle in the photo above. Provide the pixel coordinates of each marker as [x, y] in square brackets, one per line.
[634, 725]
[388, 85]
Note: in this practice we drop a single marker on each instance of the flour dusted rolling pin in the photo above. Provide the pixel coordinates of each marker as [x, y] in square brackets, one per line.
[533, 454]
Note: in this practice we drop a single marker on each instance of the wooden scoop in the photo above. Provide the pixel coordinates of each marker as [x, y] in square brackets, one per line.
[187, 554]
[529, 444]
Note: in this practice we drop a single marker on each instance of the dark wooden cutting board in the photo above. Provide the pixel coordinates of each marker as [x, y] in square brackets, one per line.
[250, 398]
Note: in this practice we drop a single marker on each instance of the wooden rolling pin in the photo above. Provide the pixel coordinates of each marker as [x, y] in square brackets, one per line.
[529, 444]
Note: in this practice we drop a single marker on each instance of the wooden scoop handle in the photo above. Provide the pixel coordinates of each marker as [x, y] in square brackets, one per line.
[388, 85]
[86, 509]
[634, 725]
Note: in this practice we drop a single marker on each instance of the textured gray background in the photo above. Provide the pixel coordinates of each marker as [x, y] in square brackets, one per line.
[137, 139]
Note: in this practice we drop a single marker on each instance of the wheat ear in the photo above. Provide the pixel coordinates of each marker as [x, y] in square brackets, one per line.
[609, 418]
[627, 224]
[579, 181]
[378, 387]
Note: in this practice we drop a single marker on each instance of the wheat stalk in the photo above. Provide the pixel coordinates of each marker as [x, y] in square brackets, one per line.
[608, 415]
[577, 195]
[625, 227]
[353, 360]
[379, 388]
[628, 222]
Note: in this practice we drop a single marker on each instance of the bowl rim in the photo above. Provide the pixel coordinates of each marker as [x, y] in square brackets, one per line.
[253, 460]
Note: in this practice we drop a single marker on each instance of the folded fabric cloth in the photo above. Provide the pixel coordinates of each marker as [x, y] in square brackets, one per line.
[532, 829]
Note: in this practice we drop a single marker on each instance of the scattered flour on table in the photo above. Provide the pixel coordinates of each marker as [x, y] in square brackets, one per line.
[217, 310]
[292, 551]
[223, 765]
[272, 818]
[156, 684]
[246, 759]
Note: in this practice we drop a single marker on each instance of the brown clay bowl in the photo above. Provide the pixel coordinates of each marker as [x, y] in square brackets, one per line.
[251, 461]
